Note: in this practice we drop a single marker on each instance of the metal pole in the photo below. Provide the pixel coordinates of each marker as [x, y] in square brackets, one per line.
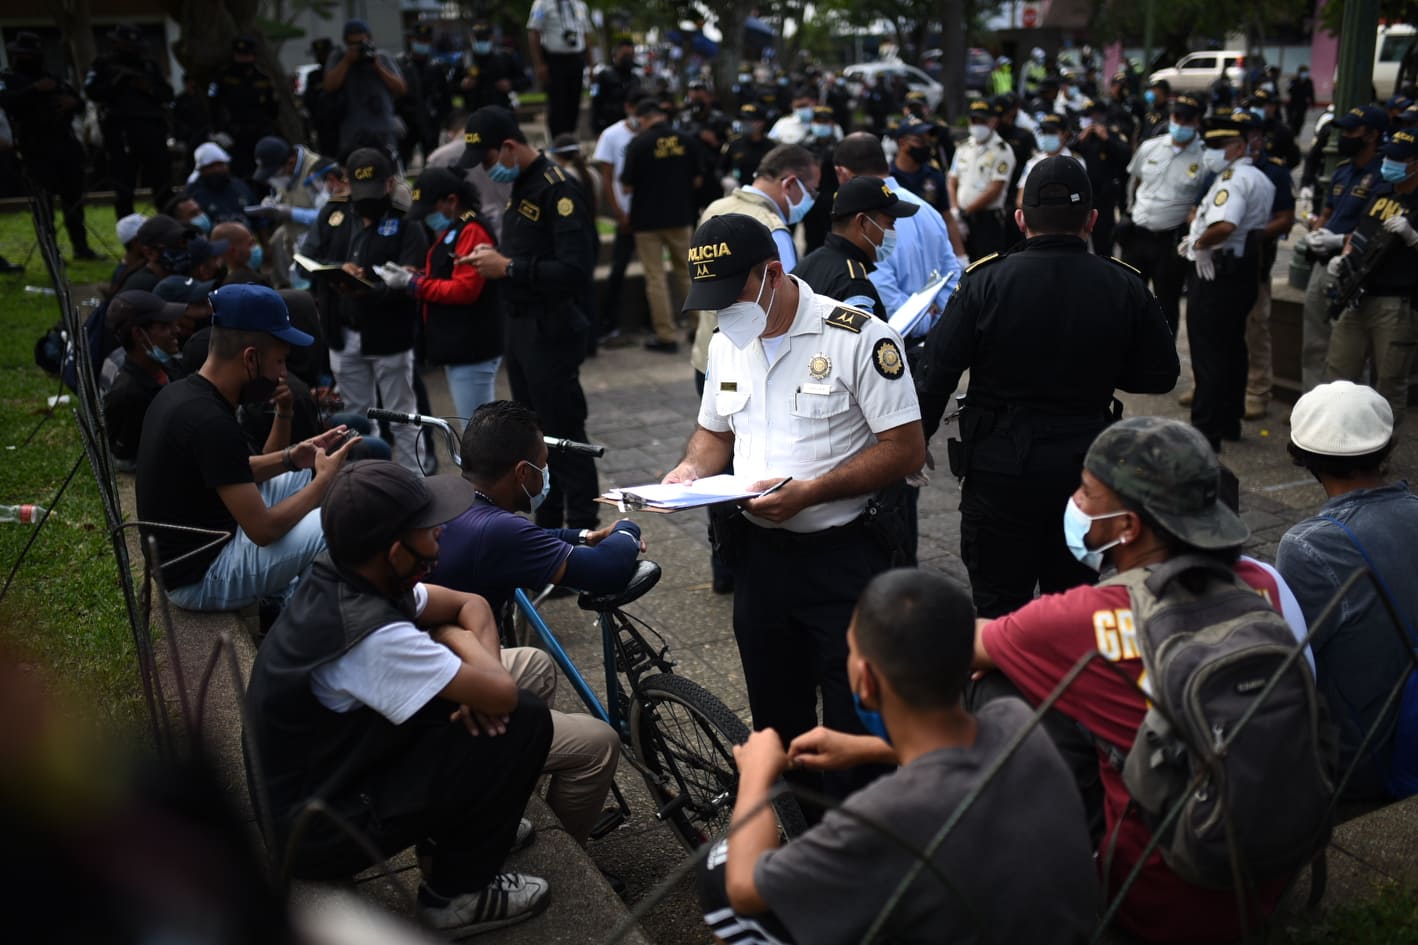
[1357, 35]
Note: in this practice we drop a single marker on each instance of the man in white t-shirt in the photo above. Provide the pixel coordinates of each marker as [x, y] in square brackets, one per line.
[609, 157]
[390, 702]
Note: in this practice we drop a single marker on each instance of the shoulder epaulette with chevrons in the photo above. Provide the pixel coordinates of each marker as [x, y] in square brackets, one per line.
[852, 267]
[847, 318]
[554, 175]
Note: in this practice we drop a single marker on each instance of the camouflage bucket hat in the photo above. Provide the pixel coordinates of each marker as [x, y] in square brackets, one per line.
[1168, 469]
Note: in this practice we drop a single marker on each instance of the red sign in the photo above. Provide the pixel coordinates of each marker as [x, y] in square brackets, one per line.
[1029, 17]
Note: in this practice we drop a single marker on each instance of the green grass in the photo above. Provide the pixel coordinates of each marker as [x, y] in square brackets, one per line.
[65, 609]
[1389, 917]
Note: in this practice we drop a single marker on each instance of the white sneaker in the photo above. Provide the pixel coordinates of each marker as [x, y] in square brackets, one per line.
[508, 899]
[526, 833]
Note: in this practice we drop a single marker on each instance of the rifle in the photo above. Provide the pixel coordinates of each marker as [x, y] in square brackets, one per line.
[1348, 287]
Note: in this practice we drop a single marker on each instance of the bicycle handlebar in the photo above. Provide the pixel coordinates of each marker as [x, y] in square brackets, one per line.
[438, 423]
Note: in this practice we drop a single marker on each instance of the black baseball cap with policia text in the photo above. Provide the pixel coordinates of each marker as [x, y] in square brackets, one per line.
[722, 252]
[485, 131]
[870, 195]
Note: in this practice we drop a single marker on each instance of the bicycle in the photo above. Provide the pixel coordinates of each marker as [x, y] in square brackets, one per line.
[676, 733]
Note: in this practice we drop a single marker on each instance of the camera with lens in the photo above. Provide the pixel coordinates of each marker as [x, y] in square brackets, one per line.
[569, 37]
[366, 50]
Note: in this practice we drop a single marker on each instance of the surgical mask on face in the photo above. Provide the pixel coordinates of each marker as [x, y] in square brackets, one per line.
[1076, 524]
[438, 222]
[1215, 160]
[981, 133]
[500, 173]
[1182, 134]
[1394, 171]
[258, 256]
[482, 47]
[1150, 97]
[422, 49]
[804, 114]
[871, 720]
[920, 153]
[744, 321]
[821, 131]
[156, 353]
[1084, 124]
[540, 497]
[1348, 147]
[1049, 143]
[1258, 112]
[202, 222]
[796, 211]
[887, 246]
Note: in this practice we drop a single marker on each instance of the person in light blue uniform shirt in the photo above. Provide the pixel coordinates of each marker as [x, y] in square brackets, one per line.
[922, 243]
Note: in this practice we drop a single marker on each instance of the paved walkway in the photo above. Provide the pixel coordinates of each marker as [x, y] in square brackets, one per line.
[643, 407]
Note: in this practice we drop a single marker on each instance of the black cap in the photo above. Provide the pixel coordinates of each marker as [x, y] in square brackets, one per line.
[870, 195]
[917, 129]
[271, 153]
[243, 44]
[1095, 107]
[1058, 181]
[136, 307]
[1260, 97]
[649, 106]
[482, 28]
[823, 111]
[423, 31]
[486, 129]
[1403, 146]
[372, 502]
[126, 33]
[164, 232]
[722, 252]
[1186, 106]
[1371, 115]
[1162, 84]
[369, 172]
[1218, 130]
[433, 185]
[750, 112]
[182, 289]
[1245, 121]
[25, 43]
[981, 109]
[1051, 123]
[201, 249]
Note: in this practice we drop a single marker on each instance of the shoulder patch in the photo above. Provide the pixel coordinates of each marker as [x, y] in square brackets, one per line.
[1229, 173]
[564, 206]
[1125, 265]
[887, 360]
[467, 215]
[1221, 197]
[849, 319]
[982, 260]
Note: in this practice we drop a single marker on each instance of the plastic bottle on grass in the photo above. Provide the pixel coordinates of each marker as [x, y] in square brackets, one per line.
[24, 514]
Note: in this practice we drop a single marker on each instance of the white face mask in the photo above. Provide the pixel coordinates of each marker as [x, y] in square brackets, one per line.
[981, 133]
[1214, 160]
[279, 181]
[742, 322]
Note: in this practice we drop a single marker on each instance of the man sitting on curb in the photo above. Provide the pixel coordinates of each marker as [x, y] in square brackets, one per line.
[909, 649]
[195, 471]
[387, 700]
[490, 550]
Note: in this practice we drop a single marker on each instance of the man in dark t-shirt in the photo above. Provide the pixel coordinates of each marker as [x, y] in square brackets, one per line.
[195, 471]
[662, 171]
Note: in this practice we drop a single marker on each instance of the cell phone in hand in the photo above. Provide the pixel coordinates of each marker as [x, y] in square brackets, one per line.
[345, 437]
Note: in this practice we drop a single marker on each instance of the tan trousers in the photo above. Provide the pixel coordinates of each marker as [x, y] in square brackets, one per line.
[652, 244]
[584, 750]
[1259, 373]
[1382, 327]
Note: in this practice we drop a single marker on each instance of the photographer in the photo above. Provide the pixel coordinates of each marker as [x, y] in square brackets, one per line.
[364, 83]
[1382, 322]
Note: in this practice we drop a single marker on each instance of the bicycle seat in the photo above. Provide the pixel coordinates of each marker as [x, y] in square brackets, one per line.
[647, 575]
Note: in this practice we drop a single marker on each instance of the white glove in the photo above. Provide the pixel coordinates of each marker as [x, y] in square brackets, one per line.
[1205, 266]
[1399, 226]
[1323, 241]
[1335, 266]
[394, 276]
[1307, 193]
[1184, 248]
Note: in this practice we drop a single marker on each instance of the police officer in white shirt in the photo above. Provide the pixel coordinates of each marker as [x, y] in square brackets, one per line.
[815, 397]
[1226, 269]
[978, 182]
[1165, 181]
[556, 34]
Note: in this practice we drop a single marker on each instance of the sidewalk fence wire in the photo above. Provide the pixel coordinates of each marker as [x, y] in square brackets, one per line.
[88, 413]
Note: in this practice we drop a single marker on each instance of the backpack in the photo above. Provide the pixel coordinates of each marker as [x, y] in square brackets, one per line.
[1210, 645]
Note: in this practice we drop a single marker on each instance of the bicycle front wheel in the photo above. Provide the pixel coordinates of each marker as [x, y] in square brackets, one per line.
[684, 736]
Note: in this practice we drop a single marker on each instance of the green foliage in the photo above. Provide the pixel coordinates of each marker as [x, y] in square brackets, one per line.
[1390, 917]
[1390, 11]
[65, 609]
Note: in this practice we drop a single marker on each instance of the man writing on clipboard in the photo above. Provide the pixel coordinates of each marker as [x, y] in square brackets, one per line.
[797, 385]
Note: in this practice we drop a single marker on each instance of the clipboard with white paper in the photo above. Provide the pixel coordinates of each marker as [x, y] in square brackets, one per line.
[914, 310]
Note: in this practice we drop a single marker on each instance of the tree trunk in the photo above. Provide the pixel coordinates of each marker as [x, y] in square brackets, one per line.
[76, 26]
[731, 18]
[952, 46]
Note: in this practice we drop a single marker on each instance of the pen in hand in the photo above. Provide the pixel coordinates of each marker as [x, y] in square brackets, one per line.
[774, 488]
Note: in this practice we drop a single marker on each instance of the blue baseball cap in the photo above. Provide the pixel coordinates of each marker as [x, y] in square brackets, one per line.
[354, 28]
[1371, 115]
[249, 307]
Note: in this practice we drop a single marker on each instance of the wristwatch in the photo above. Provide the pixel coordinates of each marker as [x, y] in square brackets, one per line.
[581, 538]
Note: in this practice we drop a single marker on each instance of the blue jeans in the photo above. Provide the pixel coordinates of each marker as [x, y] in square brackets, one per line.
[472, 385]
[245, 572]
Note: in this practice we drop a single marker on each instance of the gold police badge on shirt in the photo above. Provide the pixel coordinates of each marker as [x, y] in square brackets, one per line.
[337, 218]
[886, 358]
[819, 366]
[1221, 197]
[563, 206]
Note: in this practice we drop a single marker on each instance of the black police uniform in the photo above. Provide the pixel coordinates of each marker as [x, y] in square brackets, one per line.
[1107, 164]
[133, 98]
[743, 155]
[243, 104]
[1023, 143]
[1048, 331]
[45, 139]
[425, 104]
[610, 88]
[481, 75]
[840, 270]
[819, 218]
[544, 234]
